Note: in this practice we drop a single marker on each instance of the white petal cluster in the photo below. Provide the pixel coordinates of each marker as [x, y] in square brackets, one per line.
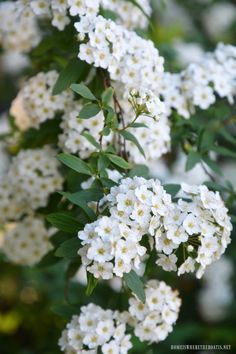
[95, 329]
[127, 57]
[111, 244]
[39, 103]
[217, 295]
[33, 175]
[121, 8]
[154, 320]
[200, 224]
[71, 139]
[18, 29]
[200, 83]
[27, 241]
[194, 231]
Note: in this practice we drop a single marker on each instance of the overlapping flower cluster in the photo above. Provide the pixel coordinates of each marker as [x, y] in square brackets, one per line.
[199, 226]
[154, 320]
[214, 304]
[95, 328]
[200, 83]
[26, 241]
[18, 30]
[127, 57]
[38, 101]
[32, 177]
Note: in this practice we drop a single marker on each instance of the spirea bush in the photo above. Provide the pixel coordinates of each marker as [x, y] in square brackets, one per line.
[94, 109]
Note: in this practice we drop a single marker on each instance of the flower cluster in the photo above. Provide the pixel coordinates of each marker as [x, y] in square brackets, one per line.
[154, 320]
[213, 302]
[111, 245]
[198, 225]
[18, 30]
[71, 139]
[95, 328]
[27, 241]
[33, 175]
[199, 83]
[38, 102]
[127, 57]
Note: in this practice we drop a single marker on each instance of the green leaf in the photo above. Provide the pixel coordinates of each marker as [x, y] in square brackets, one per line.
[65, 311]
[138, 125]
[172, 189]
[69, 248]
[140, 171]
[65, 221]
[48, 260]
[91, 285]
[216, 186]
[107, 95]
[212, 164]
[224, 151]
[233, 219]
[91, 139]
[227, 136]
[128, 136]
[103, 163]
[90, 110]
[83, 91]
[75, 163]
[119, 161]
[135, 284]
[192, 160]
[71, 73]
[82, 198]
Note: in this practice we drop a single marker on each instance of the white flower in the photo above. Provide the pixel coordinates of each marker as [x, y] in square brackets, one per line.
[167, 262]
[191, 224]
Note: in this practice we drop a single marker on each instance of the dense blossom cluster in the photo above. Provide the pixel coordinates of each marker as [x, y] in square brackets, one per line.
[95, 328]
[216, 295]
[199, 83]
[33, 175]
[198, 224]
[26, 241]
[154, 320]
[18, 30]
[127, 57]
[38, 101]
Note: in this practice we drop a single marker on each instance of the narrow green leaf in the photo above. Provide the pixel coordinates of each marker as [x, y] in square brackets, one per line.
[90, 110]
[64, 221]
[91, 285]
[212, 164]
[48, 260]
[71, 73]
[224, 151]
[138, 125]
[129, 136]
[65, 311]
[69, 248]
[216, 186]
[135, 284]
[227, 136]
[91, 139]
[119, 161]
[107, 95]
[83, 91]
[75, 163]
[103, 163]
[172, 189]
[192, 160]
[140, 171]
